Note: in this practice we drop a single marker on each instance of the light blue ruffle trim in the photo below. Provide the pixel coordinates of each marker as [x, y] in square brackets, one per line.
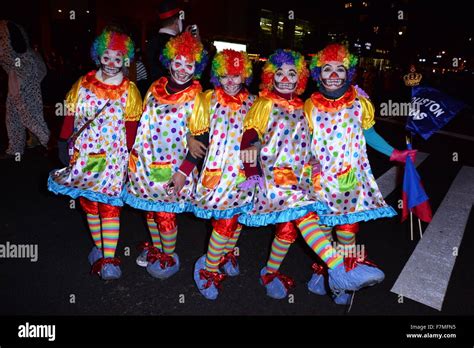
[220, 214]
[256, 220]
[148, 205]
[74, 192]
[351, 218]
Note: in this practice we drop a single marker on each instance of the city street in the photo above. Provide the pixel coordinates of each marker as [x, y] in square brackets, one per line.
[59, 283]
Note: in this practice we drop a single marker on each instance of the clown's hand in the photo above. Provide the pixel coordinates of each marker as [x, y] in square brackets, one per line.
[401, 156]
[177, 182]
[251, 182]
[196, 148]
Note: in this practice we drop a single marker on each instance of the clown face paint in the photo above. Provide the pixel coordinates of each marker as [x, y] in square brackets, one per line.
[285, 79]
[333, 76]
[111, 62]
[182, 70]
[231, 84]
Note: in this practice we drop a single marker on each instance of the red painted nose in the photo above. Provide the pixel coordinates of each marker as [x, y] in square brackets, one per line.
[285, 79]
[333, 75]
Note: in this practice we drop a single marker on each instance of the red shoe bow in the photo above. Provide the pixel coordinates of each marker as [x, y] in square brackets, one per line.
[351, 262]
[288, 282]
[154, 254]
[318, 269]
[97, 266]
[164, 259]
[215, 278]
[230, 256]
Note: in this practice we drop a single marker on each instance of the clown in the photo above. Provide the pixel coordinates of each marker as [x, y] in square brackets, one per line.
[159, 150]
[343, 119]
[103, 112]
[284, 191]
[218, 123]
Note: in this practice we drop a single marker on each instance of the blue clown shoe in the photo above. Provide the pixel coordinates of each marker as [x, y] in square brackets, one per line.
[354, 279]
[229, 264]
[375, 274]
[164, 267]
[342, 298]
[110, 272]
[316, 283]
[207, 282]
[107, 268]
[94, 255]
[276, 284]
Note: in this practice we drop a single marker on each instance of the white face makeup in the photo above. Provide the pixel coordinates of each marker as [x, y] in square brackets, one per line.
[181, 70]
[111, 62]
[333, 75]
[231, 84]
[286, 79]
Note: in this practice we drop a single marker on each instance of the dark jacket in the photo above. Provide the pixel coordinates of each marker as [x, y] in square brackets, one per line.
[154, 49]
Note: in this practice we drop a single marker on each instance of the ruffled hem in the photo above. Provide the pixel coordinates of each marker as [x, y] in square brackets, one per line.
[147, 205]
[256, 220]
[74, 192]
[351, 218]
[220, 214]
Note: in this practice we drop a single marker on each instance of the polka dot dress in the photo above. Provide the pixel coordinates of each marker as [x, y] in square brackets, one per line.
[284, 159]
[100, 157]
[223, 170]
[348, 186]
[160, 148]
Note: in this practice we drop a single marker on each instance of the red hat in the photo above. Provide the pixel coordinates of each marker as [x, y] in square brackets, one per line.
[167, 9]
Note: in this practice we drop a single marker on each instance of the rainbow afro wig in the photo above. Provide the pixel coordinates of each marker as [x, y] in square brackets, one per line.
[333, 53]
[187, 46]
[230, 62]
[276, 61]
[112, 40]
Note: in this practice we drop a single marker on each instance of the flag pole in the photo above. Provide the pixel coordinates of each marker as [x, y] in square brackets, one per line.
[408, 141]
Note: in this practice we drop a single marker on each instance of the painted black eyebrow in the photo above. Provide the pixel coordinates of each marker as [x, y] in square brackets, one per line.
[339, 66]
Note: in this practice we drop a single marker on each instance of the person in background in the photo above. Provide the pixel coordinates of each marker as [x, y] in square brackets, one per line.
[172, 25]
[142, 75]
[24, 105]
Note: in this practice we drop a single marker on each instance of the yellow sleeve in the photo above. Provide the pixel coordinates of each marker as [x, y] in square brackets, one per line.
[368, 113]
[134, 106]
[258, 115]
[200, 118]
[72, 96]
[308, 111]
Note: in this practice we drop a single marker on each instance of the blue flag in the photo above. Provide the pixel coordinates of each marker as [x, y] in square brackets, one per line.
[430, 111]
